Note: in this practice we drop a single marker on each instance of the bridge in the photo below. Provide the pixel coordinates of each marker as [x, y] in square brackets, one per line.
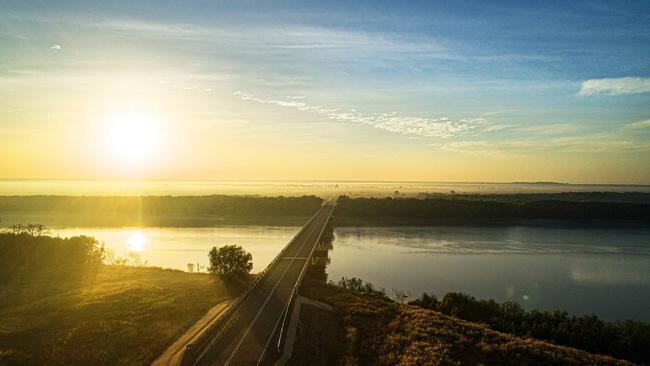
[251, 330]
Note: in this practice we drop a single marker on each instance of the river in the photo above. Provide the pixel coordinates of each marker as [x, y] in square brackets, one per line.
[581, 270]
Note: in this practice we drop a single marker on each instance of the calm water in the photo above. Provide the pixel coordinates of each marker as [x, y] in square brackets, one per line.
[606, 272]
[176, 247]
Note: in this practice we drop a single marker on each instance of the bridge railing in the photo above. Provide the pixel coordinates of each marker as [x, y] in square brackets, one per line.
[195, 350]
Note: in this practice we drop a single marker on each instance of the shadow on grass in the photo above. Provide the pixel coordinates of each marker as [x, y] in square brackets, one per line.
[235, 286]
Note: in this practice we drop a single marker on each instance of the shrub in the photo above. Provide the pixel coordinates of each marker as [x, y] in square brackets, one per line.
[230, 262]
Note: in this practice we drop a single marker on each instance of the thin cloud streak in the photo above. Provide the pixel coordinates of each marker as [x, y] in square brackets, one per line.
[395, 122]
[287, 37]
[614, 86]
[498, 127]
[599, 143]
[476, 148]
[638, 125]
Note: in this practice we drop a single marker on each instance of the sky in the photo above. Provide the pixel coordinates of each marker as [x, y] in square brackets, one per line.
[494, 91]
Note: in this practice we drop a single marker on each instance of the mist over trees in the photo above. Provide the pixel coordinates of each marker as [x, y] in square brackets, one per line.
[628, 197]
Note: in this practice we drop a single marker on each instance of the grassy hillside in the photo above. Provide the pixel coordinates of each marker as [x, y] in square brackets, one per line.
[120, 316]
[367, 330]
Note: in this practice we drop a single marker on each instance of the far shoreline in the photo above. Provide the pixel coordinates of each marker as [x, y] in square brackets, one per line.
[64, 222]
[486, 222]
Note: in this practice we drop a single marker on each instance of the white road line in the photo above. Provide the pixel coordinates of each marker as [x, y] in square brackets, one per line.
[266, 346]
[265, 302]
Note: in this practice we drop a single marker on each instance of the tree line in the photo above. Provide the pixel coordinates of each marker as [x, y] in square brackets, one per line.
[25, 254]
[158, 210]
[383, 209]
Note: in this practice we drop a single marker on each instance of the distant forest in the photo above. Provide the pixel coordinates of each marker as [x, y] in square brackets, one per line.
[429, 209]
[157, 210]
[450, 208]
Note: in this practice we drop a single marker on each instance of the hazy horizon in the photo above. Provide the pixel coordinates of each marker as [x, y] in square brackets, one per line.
[324, 189]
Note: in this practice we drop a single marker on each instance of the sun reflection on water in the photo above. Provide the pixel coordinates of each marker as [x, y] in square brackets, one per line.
[136, 242]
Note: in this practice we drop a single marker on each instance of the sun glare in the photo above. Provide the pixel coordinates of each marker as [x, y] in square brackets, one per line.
[132, 136]
[136, 242]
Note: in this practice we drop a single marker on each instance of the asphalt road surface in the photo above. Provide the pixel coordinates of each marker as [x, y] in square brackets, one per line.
[252, 332]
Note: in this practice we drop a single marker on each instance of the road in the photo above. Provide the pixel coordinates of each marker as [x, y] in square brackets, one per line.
[252, 328]
[172, 356]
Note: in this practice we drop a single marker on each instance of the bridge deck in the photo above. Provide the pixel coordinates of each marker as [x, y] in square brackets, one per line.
[253, 327]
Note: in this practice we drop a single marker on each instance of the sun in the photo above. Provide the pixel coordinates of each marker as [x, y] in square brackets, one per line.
[132, 136]
[136, 242]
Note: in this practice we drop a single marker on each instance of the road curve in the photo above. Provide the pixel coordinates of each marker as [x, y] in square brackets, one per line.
[253, 326]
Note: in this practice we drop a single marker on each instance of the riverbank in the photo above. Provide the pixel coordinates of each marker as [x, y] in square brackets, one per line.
[59, 221]
[390, 221]
[372, 330]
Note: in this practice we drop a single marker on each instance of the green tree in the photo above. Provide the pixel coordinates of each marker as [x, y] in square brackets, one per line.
[230, 262]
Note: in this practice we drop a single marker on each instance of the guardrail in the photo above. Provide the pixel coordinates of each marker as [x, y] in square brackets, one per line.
[195, 350]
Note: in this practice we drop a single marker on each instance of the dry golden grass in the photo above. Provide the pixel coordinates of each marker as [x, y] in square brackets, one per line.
[378, 331]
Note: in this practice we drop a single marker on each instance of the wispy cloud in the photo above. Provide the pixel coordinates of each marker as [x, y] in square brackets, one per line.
[602, 143]
[637, 125]
[475, 148]
[497, 127]
[592, 143]
[549, 129]
[441, 127]
[460, 146]
[56, 47]
[147, 29]
[614, 86]
[300, 38]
